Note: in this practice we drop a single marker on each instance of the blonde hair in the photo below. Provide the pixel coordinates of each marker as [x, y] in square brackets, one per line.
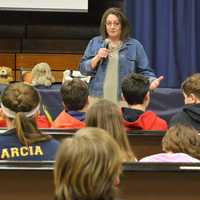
[41, 75]
[87, 166]
[107, 115]
[182, 139]
[191, 85]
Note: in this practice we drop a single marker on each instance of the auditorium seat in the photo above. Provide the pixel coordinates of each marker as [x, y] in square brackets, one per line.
[143, 143]
[139, 181]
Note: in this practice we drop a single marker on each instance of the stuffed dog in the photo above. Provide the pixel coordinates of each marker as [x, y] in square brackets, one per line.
[41, 75]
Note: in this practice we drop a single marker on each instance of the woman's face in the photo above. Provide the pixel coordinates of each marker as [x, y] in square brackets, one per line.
[113, 27]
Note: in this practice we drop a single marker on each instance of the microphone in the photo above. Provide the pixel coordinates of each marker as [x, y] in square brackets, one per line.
[106, 43]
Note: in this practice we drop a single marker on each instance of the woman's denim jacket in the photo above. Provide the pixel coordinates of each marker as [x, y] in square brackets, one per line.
[132, 58]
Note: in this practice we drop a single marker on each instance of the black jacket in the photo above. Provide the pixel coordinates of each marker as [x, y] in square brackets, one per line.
[190, 115]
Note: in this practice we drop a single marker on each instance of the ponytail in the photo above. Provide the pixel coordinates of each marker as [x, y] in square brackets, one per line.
[27, 130]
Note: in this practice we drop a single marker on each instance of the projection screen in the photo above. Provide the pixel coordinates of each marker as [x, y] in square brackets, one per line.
[45, 5]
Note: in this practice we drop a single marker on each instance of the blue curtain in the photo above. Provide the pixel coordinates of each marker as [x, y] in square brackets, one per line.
[170, 33]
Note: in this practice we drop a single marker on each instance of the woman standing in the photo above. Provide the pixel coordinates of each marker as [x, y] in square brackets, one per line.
[113, 55]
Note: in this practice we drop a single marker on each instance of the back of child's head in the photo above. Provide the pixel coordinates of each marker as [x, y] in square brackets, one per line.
[20, 103]
[87, 166]
[134, 88]
[191, 85]
[182, 139]
[107, 115]
[20, 97]
[74, 94]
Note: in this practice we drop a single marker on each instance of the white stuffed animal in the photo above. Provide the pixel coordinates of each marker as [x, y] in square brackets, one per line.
[41, 75]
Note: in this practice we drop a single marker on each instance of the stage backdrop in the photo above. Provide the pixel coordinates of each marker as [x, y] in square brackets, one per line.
[170, 33]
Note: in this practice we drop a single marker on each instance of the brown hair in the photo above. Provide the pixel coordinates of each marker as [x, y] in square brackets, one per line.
[107, 115]
[122, 19]
[134, 88]
[192, 85]
[87, 166]
[21, 98]
[74, 94]
[182, 139]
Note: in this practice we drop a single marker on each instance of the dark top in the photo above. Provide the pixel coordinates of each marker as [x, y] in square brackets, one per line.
[131, 115]
[11, 149]
[76, 114]
[190, 115]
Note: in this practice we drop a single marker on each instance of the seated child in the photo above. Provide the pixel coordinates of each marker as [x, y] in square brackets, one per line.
[20, 104]
[135, 90]
[75, 98]
[88, 166]
[180, 144]
[190, 114]
[107, 115]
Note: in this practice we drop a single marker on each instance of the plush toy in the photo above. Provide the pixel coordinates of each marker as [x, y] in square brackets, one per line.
[27, 77]
[70, 74]
[41, 75]
[5, 75]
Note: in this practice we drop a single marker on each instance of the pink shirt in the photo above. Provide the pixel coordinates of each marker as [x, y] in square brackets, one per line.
[169, 157]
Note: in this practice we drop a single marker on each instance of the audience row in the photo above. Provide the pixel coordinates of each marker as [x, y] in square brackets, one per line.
[20, 104]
